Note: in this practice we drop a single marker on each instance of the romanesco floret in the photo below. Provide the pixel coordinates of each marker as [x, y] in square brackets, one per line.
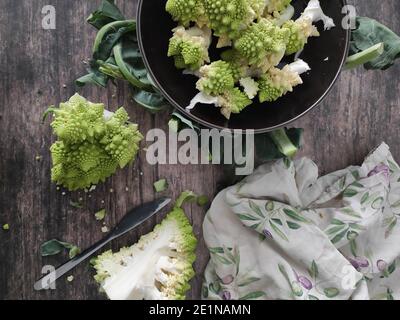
[233, 101]
[186, 11]
[216, 78]
[157, 267]
[278, 82]
[239, 65]
[229, 17]
[299, 32]
[90, 148]
[303, 28]
[260, 39]
[189, 47]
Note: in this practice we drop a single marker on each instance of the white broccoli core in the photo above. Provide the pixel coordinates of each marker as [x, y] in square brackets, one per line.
[315, 13]
[285, 15]
[146, 267]
[250, 87]
[107, 115]
[201, 97]
[299, 66]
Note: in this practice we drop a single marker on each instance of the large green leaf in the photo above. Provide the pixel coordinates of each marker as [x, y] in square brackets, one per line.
[107, 12]
[370, 32]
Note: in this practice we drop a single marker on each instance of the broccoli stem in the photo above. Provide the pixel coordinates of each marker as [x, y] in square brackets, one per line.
[119, 60]
[364, 56]
[110, 27]
[283, 143]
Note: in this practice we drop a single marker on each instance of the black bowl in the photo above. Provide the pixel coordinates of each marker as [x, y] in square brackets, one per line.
[154, 31]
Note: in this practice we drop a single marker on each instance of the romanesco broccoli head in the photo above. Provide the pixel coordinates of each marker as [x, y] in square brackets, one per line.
[216, 78]
[90, 147]
[157, 267]
[190, 47]
[233, 101]
[186, 11]
[229, 17]
[239, 65]
[260, 39]
[277, 83]
[299, 32]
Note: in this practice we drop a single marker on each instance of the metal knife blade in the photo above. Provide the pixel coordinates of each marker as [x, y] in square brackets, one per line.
[131, 220]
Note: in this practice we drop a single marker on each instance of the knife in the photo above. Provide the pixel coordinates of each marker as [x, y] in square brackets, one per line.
[130, 221]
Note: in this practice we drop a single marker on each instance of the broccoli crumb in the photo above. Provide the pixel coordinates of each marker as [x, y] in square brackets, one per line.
[104, 229]
[70, 278]
[6, 227]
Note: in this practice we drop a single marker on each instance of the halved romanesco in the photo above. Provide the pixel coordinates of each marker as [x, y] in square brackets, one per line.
[90, 145]
[157, 267]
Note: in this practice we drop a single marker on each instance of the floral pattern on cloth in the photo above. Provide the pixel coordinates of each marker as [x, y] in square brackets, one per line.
[285, 233]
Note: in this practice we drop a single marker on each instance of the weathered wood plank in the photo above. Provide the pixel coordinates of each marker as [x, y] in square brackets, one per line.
[360, 112]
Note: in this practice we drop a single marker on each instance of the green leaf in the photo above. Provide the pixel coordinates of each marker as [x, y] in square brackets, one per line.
[356, 226]
[160, 185]
[245, 217]
[348, 193]
[54, 246]
[390, 228]
[365, 198]
[335, 229]
[392, 267]
[357, 185]
[47, 112]
[278, 231]
[277, 221]
[186, 196]
[247, 281]
[339, 236]
[183, 122]
[269, 206]
[350, 212]
[106, 13]
[377, 203]
[356, 175]
[370, 32]
[337, 222]
[313, 271]
[293, 225]
[152, 101]
[256, 209]
[311, 297]
[215, 287]
[294, 215]
[331, 292]
[216, 250]
[253, 295]
[222, 259]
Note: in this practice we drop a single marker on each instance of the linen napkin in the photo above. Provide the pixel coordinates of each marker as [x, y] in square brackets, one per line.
[285, 233]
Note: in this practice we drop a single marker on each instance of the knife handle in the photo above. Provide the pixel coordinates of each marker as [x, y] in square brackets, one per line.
[46, 281]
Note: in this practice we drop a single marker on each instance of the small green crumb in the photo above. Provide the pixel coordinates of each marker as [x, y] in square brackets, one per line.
[70, 278]
[6, 227]
[160, 185]
[74, 251]
[100, 215]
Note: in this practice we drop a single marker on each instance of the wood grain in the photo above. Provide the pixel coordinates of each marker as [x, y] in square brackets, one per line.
[38, 68]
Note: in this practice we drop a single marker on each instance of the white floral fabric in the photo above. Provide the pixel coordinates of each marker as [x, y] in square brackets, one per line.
[285, 233]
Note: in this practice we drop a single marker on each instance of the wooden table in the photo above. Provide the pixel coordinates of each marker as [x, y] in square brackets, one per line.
[38, 68]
